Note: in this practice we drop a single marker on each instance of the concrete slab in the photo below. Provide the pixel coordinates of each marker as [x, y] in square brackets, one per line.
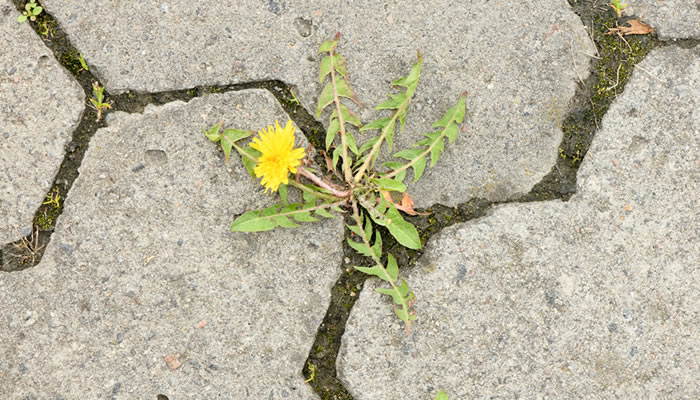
[40, 106]
[144, 291]
[598, 297]
[519, 63]
[672, 19]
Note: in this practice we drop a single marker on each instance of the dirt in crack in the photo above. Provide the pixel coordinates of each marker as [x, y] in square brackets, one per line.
[617, 57]
[28, 251]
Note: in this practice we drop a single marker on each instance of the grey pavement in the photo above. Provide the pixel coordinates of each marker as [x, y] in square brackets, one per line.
[598, 297]
[143, 290]
[40, 106]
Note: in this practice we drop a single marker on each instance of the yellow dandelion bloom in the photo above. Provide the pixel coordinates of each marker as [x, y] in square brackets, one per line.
[278, 157]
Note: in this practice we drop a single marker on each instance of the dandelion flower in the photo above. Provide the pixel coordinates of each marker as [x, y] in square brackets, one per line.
[278, 157]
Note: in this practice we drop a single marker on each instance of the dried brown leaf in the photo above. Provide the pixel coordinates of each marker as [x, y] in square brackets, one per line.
[636, 27]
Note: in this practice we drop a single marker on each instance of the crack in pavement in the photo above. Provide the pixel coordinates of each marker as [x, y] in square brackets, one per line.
[586, 110]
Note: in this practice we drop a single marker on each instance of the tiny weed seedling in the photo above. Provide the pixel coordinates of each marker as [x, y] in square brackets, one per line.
[31, 11]
[357, 186]
[617, 6]
[84, 65]
[441, 396]
[53, 198]
[98, 102]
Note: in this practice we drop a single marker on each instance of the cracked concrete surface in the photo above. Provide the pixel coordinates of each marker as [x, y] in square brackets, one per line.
[598, 297]
[40, 105]
[143, 291]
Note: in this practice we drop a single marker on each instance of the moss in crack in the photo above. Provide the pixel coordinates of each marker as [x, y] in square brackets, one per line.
[610, 72]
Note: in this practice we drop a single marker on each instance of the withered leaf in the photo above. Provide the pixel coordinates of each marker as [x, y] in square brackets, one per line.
[636, 27]
[406, 203]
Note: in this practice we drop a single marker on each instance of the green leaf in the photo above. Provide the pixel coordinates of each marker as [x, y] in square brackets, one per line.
[341, 86]
[401, 295]
[436, 151]
[404, 232]
[339, 63]
[251, 221]
[324, 213]
[409, 154]
[377, 246]
[368, 145]
[359, 247]
[304, 217]
[394, 103]
[328, 45]
[441, 396]
[377, 271]
[451, 132]
[231, 136]
[418, 168]
[376, 124]
[21, 18]
[37, 10]
[325, 68]
[390, 184]
[455, 113]
[333, 129]
[324, 99]
[213, 132]
[350, 140]
[392, 268]
[284, 222]
[349, 116]
[336, 155]
[411, 81]
[283, 193]
[249, 157]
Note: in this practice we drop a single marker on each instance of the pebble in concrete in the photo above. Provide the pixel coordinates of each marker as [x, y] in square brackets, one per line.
[40, 106]
[520, 66]
[672, 19]
[143, 290]
[598, 297]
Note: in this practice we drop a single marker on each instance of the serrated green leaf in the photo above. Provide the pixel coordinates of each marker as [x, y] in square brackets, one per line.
[349, 116]
[376, 124]
[392, 268]
[325, 68]
[213, 132]
[377, 246]
[249, 157]
[339, 63]
[231, 136]
[377, 271]
[324, 99]
[304, 217]
[359, 247]
[333, 129]
[404, 232]
[418, 168]
[350, 140]
[336, 155]
[409, 154]
[389, 184]
[390, 134]
[436, 151]
[341, 86]
[411, 80]
[404, 315]
[393, 103]
[251, 221]
[283, 193]
[368, 145]
[451, 132]
[441, 396]
[455, 113]
[324, 213]
[327, 46]
[284, 222]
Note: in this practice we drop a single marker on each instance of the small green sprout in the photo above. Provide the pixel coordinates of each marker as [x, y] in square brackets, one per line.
[82, 62]
[97, 101]
[617, 6]
[31, 10]
[312, 370]
[53, 198]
